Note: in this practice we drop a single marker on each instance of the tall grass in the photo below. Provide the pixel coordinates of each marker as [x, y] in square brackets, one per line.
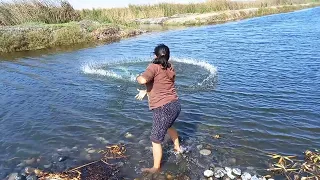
[43, 11]
[127, 15]
[61, 11]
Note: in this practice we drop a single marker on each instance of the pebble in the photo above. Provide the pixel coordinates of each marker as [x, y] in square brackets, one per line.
[229, 170]
[47, 166]
[21, 164]
[208, 173]
[105, 142]
[205, 152]
[199, 147]
[148, 148]
[246, 176]
[29, 170]
[254, 178]
[236, 171]
[20, 177]
[232, 161]
[128, 135]
[219, 172]
[30, 161]
[13, 176]
[230, 175]
[32, 177]
[88, 157]
[65, 149]
[91, 151]
[142, 141]
[63, 158]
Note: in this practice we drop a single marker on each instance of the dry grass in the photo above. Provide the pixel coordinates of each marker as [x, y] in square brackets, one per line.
[43, 11]
[127, 15]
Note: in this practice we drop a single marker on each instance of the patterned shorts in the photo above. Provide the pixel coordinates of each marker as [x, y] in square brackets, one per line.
[163, 119]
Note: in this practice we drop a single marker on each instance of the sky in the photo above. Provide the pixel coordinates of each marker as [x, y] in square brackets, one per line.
[88, 4]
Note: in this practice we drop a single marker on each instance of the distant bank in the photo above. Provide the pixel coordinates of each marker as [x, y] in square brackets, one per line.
[70, 27]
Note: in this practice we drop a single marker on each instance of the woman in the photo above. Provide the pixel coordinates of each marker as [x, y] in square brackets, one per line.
[159, 79]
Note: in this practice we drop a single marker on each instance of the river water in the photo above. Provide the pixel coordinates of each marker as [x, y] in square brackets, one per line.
[254, 82]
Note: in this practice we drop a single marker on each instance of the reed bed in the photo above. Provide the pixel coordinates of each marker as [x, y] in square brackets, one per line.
[129, 14]
[41, 11]
[17, 12]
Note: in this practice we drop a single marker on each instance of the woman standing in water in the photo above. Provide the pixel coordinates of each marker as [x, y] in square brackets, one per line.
[159, 79]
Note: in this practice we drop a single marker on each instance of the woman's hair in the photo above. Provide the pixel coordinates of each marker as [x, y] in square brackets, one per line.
[163, 54]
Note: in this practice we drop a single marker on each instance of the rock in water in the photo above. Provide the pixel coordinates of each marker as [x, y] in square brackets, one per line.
[199, 147]
[219, 172]
[128, 135]
[63, 158]
[230, 175]
[236, 171]
[13, 176]
[232, 161]
[30, 161]
[246, 176]
[20, 177]
[91, 151]
[208, 173]
[205, 152]
[255, 178]
[32, 177]
[229, 170]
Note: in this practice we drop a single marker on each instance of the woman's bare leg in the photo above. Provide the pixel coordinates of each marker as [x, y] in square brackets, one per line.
[175, 138]
[157, 156]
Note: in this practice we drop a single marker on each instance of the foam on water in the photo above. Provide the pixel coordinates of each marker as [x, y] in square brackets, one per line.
[98, 68]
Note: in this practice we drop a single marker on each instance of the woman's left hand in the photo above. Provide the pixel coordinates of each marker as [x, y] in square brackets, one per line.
[141, 94]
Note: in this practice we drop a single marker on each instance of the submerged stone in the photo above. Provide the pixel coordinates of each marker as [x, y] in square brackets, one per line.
[12, 176]
[246, 176]
[236, 171]
[128, 135]
[205, 152]
[229, 170]
[254, 178]
[62, 158]
[219, 172]
[208, 173]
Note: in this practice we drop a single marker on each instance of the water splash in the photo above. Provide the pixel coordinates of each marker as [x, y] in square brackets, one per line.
[107, 69]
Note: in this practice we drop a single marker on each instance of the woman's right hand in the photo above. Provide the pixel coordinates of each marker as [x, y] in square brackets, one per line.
[141, 94]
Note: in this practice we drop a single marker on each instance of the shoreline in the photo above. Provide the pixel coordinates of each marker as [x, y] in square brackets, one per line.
[32, 37]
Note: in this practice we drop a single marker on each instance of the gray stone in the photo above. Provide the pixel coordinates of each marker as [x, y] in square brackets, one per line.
[205, 152]
[199, 147]
[236, 171]
[30, 161]
[32, 177]
[246, 176]
[229, 170]
[254, 178]
[12, 176]
[219, 172]
[232, 161]
[62, 158]
[47, 166]
[128, 135]
[230, 175]
[208, 173]
[91, 151]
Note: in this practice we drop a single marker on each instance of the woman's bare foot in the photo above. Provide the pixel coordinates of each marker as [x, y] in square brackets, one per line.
[150, 170]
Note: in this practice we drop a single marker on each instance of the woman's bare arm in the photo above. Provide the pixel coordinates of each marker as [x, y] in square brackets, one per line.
[141, 80]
